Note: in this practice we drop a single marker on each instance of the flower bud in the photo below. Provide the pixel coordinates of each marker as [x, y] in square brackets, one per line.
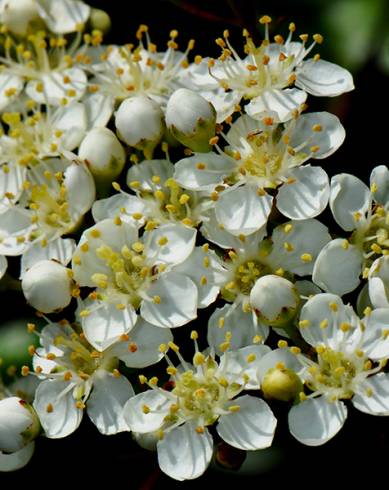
[104, 155]
[191, 119]
[281, 384]
[100, 20]
[275, 300]
[139, 122]
[19, 424]
[47, 286]
[18, 14]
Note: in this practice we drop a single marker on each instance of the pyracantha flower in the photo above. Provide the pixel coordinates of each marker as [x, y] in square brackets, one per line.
[204, 393]
[261, 156]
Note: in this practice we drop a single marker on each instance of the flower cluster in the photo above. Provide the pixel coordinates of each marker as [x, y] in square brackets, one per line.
[139, 186]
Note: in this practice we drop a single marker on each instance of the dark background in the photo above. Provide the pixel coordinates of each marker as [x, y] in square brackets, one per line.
[356, 36]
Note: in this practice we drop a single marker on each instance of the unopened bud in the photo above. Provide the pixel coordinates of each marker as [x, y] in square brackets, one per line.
[47, 286]
[275, 300]
[281, 384]
[191, 119]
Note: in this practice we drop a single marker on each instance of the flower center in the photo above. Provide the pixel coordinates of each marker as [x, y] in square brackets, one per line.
[334, 374]
[129, 273]
[198, 396]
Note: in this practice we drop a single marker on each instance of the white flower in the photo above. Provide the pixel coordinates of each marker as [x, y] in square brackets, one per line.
[47, 286]
[158, 198]
[203, 393]
[19, 424]
[264, 76]
[260, 156]
[350, 354]
[56, 196]
[191, 119]
[133, 273]
[45, 66]
[291, 250]
[139, 122]
[60, 16]
[126, 72]
[363, 212]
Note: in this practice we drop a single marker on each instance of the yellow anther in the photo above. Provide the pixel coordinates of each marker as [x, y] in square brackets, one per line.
[315, 148]
[302, 396]
[146, 409]
[345, 244]
[385, 333]
[95, 233]
[160, 195]
[251, 357]
[25, 371]
[224, 346]
[288, 228]
[333, 306]
[318, 38]
[138, 247]
[137, 216]
[304, 323]
[213, 141]
[324, 323]
[257, 339]
[120, 306]
[116, 373]
[198, 359]
[320, 349]
[184, 198]
[142, 379]
[153, 381]
[282, 344]
[360, 353]
[206, 262]
[171, 370]
[135, 183]
[31, 327]
[49, 408]
[163, 241]
[234, 408]
[288, 247]
[200, 165]
[345, 327]
[376, 248]
[174, 347]
[279, 272]
[295, 350]
[304, 37]
[265, 19]
[157, 299]
[84, 313]
[51, 356]
[200, 430]
[306, 257]
[373, 187]
[317, 127]
[194, 335]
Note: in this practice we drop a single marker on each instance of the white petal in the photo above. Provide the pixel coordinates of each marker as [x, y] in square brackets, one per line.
[290, 246]
[328, 139]
[307, 195]
[330, 309]
[112, 207]
[9, 81]
[15, 461]
[11, 181]
[3, 265]
[54, 88]
[243, 327]
[215, 233]
[65, 417]
[252, 427]
[106, 402]
[71, 120]
[373, 395]
[13, 224]
[337, 267]
[184, 454]
[276, 356]
[180, 241]
[375, 342]
[350, 199]
[106, 323]
[316, 421]
[139, 421]
[216, 169]
[60, 250]
[243, 210]
[178, 301]
[378, 282]
[277, 104]
[242, 128]
[99, 108]
[63, 16]
[147, 338]
[235, 367]
[214, 274]
[146, 170]
[224, 102]
[80, 188]
[322, 78]
[380, 178]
